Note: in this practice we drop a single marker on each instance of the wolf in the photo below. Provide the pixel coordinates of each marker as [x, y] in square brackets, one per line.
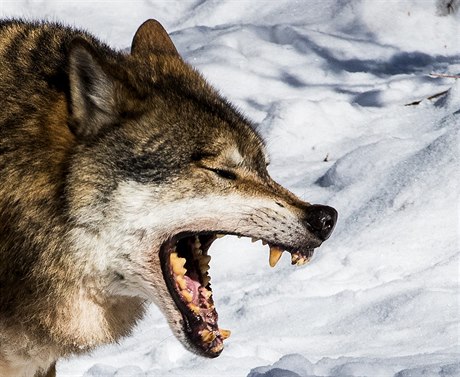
[118, 170]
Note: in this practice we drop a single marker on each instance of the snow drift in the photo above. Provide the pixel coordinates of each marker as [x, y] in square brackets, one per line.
[328, 82]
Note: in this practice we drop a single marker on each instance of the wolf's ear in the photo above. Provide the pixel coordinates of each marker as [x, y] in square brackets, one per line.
[152, 38]
[92, 90]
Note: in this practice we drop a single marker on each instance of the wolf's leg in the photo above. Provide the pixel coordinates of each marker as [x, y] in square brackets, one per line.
[51, 372]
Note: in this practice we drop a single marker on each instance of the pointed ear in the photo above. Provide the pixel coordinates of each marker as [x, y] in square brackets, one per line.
[92, 92]
[152, 38]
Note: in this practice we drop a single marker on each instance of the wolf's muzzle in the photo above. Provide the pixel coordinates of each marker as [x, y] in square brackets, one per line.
[321, 220]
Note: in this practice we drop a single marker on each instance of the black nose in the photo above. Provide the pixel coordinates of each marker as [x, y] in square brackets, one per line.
[321, 220]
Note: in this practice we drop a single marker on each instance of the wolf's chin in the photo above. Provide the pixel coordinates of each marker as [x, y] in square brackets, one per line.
[185, 265]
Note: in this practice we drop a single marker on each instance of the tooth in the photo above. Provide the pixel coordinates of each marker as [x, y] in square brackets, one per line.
[204, 269]
[207, 336]
[294, 258]
[205, 293]
[181, 282]
[197, 253]
[178, 266]
[217, 348]
[204, 260]
[224, 333]
[298, 259]
[275, 255]
[194, 308]
[302, 261]
[187, 295]
[197, 243]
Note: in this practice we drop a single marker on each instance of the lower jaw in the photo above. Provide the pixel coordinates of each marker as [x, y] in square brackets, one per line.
[185, 265]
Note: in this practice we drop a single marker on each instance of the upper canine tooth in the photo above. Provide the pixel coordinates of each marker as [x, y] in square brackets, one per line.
[275, 255]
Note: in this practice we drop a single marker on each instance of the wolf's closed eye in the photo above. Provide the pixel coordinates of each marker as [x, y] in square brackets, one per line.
[227, 174]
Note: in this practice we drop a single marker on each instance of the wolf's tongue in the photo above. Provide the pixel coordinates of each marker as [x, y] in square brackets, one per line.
[194, 286]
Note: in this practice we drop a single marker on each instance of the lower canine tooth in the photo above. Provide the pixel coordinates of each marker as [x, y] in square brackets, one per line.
[224, 333]
[275, 255]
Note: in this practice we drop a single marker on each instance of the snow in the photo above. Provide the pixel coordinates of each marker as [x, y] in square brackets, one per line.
[328, 82]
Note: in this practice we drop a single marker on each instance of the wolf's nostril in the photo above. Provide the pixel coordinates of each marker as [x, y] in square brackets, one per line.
[321, 220]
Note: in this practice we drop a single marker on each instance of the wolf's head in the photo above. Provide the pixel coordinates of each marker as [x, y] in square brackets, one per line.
[164, 166]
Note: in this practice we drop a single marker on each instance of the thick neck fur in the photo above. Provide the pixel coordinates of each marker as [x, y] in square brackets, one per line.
[42, 284]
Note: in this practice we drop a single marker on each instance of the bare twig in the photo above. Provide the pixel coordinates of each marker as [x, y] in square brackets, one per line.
[415, 103]
[443, 75]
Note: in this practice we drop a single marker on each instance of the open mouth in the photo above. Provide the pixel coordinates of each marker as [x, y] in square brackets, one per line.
[185, 265]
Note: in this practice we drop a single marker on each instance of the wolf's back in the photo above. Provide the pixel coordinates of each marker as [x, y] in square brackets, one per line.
[34, 150]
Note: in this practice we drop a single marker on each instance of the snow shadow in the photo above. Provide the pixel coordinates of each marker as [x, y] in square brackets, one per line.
[402, 62]
[295, 365]
[399, 63]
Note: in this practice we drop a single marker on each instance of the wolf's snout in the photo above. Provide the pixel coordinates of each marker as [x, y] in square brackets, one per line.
[321, 220]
